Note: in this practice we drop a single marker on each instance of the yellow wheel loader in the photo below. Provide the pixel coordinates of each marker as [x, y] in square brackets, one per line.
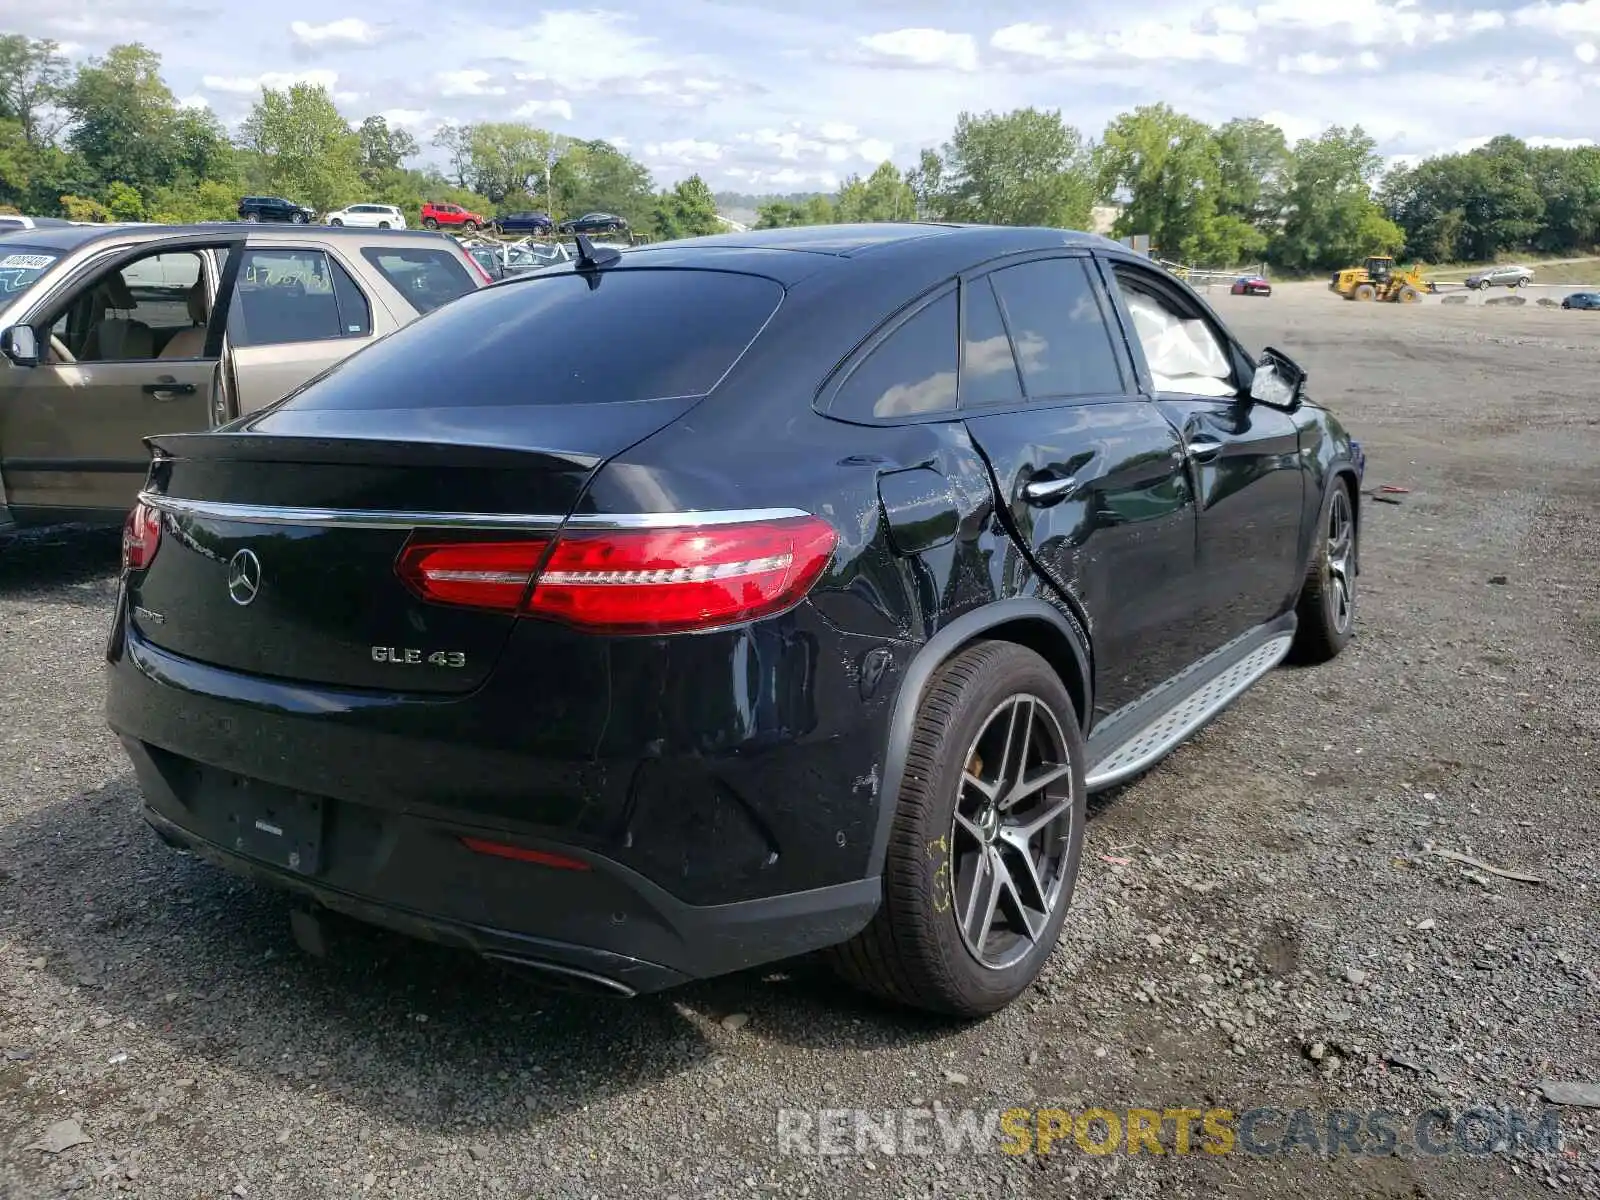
[1379, 279]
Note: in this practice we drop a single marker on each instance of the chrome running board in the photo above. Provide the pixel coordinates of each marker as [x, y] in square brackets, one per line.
[1154, 739]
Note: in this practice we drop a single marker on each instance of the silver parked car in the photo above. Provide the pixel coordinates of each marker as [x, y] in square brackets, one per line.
[1508, 276]
[111, 333]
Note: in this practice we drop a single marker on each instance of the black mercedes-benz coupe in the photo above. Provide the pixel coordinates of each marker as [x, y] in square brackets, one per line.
[802, 618]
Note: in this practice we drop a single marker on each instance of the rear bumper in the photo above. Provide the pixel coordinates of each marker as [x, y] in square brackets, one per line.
[666, 946]
[698, 859]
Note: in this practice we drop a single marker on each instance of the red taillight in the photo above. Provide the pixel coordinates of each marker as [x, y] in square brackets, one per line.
[670, 580]
[475, 574]
[675, 580]
[543, 858]
[141, 537]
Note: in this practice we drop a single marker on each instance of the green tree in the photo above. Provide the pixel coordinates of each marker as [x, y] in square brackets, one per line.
[819, 210]
[1025, 167]
[594, 176]
[124, 118]
[1569, 182]
[882, 196]
[506, 157]
[1169, 167]
[124, 202]
[781, 214]
[84, 208]
[207, 200]
[201, 147]
[1493, 200]
[33, 75]
[1253, 161]
[383, 149]
[687, 209]
[1331, 218]
[13, 162]
[926, 181]
[456, 142]
[306, 149]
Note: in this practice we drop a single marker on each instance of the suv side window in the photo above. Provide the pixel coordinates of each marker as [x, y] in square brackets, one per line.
[1060, 331]
[294, 295]
[1181, 350]
[130, 313]
[424, 276]
[910, 373]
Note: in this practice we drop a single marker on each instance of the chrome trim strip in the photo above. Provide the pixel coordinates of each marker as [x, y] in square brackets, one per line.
[674, 520]
[357, 518]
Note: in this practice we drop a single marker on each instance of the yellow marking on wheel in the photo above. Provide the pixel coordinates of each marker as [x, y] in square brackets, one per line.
[943, 892]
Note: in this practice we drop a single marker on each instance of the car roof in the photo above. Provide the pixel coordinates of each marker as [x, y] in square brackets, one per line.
[791, 254]
[74, 236]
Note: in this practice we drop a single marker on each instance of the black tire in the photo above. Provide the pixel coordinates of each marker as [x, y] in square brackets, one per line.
[299, 219]
[429, 223]
[1327, 609]
[469, 226]
[336, 222]
[612, 227]
[914, 952]
[383, 225]
[253, 218]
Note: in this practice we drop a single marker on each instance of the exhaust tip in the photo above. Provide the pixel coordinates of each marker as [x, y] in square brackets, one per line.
[561, 978]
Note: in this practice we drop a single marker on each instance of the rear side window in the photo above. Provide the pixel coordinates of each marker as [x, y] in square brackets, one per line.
[427, 278]
[553, 340]
[293, 295]
[1058, 329]
[910, 373]
[988, 368]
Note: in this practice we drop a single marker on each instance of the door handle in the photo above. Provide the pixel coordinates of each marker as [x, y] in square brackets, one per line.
[168, 390]
[1041, 492]
[1202, 448]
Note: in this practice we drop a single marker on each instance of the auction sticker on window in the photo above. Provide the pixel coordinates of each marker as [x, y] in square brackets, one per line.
[27, 261]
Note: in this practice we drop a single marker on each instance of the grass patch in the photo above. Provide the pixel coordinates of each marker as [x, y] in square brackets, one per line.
[1580, 272]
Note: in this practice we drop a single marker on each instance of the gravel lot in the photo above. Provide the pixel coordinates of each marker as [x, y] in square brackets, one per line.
[1279, 934]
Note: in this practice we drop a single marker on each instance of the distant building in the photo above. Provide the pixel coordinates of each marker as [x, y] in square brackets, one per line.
[1102, 217]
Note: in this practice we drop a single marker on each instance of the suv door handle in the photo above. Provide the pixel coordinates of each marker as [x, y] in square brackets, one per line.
[168, 390]
[1042, 492]
[1203, 448]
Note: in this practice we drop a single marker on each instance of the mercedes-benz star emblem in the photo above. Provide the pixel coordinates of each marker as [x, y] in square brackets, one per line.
[244, 577]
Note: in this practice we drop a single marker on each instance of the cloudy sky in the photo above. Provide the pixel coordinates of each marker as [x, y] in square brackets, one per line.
[778, 95]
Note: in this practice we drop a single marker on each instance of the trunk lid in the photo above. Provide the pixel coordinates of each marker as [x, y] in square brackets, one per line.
[279, 546]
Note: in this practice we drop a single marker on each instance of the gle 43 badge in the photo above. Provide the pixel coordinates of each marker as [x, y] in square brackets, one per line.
[413, 658]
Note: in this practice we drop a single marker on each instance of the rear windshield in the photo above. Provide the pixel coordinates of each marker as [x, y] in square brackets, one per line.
[426, 278]
[554, 340]
[20, 268]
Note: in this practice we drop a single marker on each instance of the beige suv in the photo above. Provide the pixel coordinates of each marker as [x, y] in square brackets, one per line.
[111, 333]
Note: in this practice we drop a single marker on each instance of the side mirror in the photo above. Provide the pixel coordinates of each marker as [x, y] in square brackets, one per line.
[21, 345]
[1277, 380]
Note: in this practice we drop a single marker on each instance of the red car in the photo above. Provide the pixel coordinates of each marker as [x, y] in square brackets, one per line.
[1250, 285]
[451, 216]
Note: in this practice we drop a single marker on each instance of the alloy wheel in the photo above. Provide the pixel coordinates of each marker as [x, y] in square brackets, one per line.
[1009, 836]
[1340, 573]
